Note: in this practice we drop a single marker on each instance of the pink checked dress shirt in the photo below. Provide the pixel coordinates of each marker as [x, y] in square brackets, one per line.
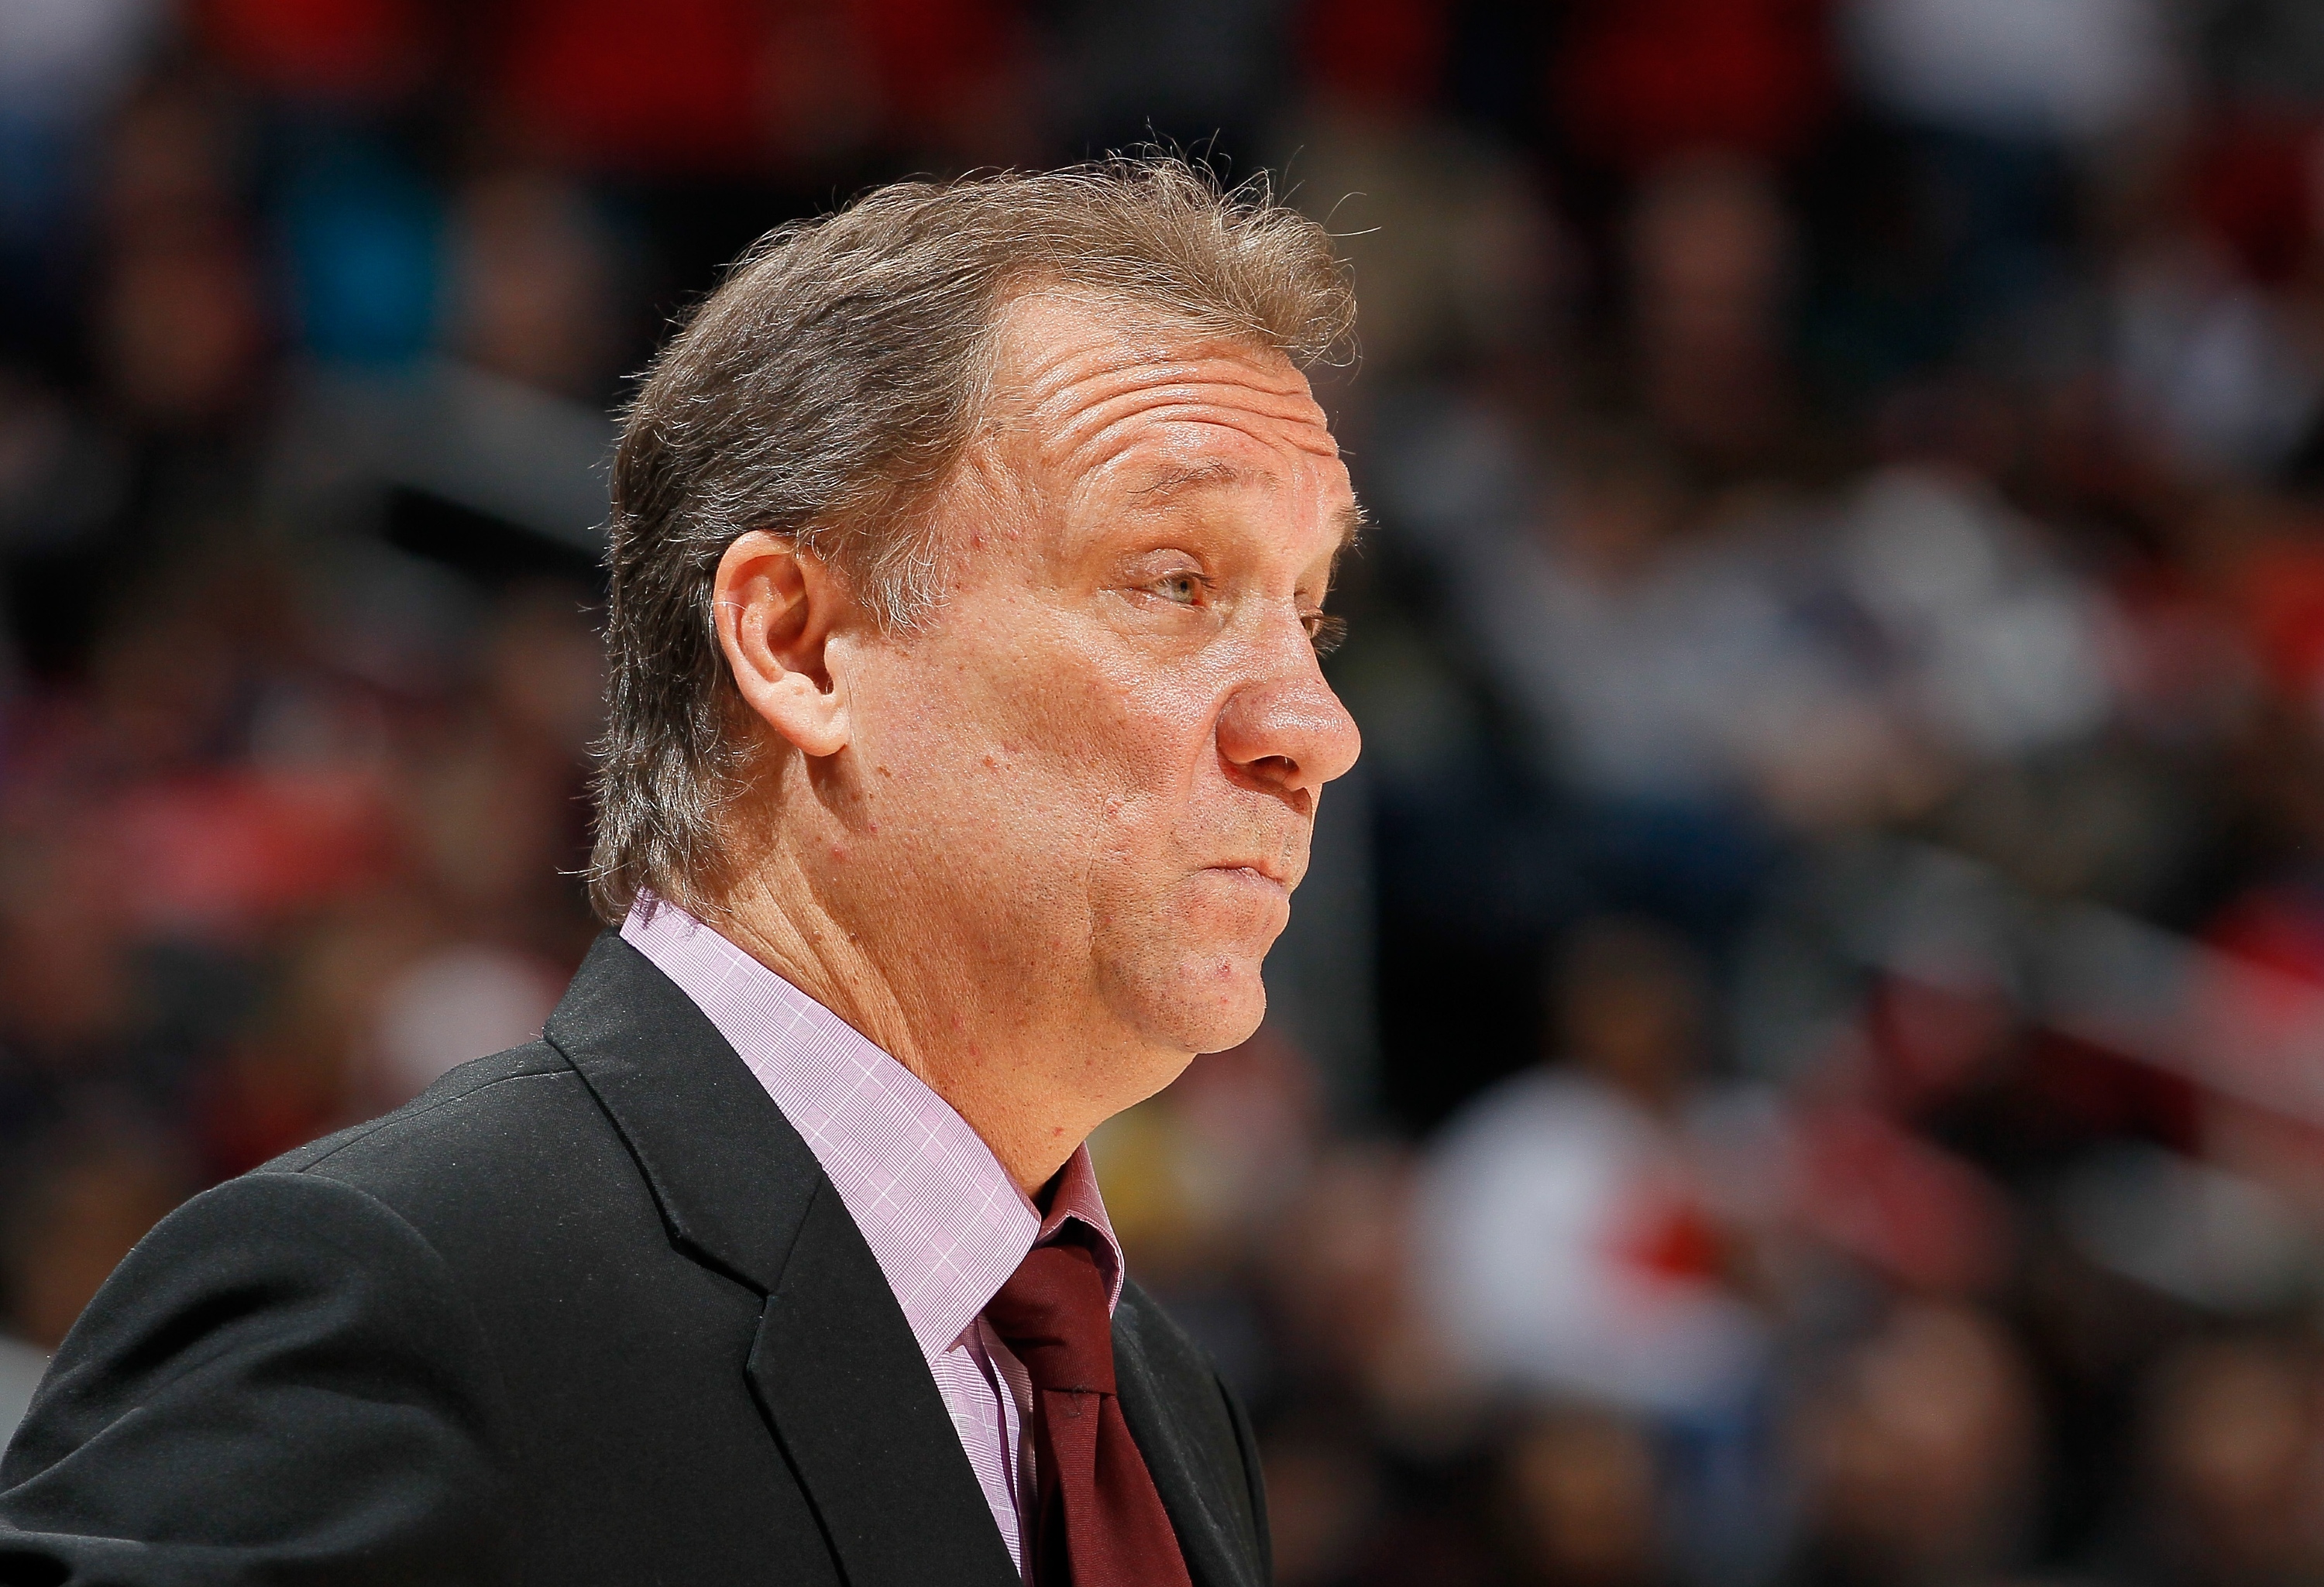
[944, 1220]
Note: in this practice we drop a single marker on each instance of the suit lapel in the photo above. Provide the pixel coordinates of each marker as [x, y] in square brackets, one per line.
[874, 1446]
[1192, 1481]
[731, 1176]
[835, 1367]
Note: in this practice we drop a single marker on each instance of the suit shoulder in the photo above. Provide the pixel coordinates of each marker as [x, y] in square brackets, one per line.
[221, 1408]
[462, 1091]
[519, 1132]
[1169, 1357]
[1186, 1418]
[1169, 1351]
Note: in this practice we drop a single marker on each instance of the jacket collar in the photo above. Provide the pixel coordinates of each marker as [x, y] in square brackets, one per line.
[834, 1367]
[731, 1177]
[947, 1222]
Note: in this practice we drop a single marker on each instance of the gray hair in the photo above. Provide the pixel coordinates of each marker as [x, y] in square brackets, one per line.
[826, 391]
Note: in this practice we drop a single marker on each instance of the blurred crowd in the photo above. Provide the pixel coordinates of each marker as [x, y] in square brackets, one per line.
[1801, 1061]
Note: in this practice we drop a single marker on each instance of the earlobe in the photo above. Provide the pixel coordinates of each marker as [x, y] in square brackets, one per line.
[774, 607]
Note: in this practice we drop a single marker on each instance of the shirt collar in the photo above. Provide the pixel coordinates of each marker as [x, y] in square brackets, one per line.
[945, 1221]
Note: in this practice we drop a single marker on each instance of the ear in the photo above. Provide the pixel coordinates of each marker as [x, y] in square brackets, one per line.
[775, 607]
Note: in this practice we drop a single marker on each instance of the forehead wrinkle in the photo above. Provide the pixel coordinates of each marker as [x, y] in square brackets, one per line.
[1046, 366]
[1053, 338]
[1093, 400]
[1066, 384]
[1096, 400]
[1081, 375]
[1102, 435]
[1043, 366]
[1083, 420]
[1157, 463]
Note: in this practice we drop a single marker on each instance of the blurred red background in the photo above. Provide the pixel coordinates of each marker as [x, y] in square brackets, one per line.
[1801, 1057]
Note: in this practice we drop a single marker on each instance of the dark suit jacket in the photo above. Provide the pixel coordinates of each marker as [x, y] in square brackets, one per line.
[586, 1312]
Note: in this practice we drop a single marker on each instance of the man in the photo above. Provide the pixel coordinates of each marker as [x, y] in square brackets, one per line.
[970, 548]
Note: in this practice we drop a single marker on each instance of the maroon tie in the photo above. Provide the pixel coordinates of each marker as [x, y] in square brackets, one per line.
[1100, 1523]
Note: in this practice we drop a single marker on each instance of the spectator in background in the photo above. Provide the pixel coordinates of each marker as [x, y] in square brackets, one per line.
[1998, 100]
[2233, 1441]
[2209, 300]
[531, 284]
[1574, 1235]
[1918, 1454]
[1632, 640]
[1591, 1232]
[1713, 256]
[64, 64]
[1601, 628]
[1582, 1490]
[1995, 645]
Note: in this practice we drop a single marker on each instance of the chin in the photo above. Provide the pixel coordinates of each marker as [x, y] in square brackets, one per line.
[1181, 969]
[1233, 1020]
[1194, 1002]
[1224, 972]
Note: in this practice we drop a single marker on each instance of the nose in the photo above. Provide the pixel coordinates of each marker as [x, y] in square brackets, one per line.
[1288, 733]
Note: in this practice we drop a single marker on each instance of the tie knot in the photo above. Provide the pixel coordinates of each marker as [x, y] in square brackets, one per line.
[1052, 1314]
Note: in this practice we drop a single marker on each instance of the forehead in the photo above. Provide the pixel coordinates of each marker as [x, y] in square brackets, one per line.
[1100, 396]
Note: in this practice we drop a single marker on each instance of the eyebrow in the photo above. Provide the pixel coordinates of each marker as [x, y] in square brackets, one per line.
[1194, 477]
[1217, 471]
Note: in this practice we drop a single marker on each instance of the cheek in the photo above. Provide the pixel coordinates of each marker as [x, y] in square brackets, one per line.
[1150, 760]
[1130, 753]
[1024, 765]
[1041, 757]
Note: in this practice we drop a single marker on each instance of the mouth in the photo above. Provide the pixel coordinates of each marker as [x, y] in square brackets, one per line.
[1268, 870]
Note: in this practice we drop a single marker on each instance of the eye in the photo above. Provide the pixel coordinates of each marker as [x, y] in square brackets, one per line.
[1326, 632]
[1184, 587]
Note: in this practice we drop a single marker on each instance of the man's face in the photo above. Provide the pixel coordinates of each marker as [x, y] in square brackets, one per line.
[1093, 771]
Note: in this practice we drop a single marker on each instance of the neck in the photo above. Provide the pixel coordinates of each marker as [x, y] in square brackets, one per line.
[1025, 1091]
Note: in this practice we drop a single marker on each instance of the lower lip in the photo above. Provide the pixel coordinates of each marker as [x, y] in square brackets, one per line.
[1249, 876]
